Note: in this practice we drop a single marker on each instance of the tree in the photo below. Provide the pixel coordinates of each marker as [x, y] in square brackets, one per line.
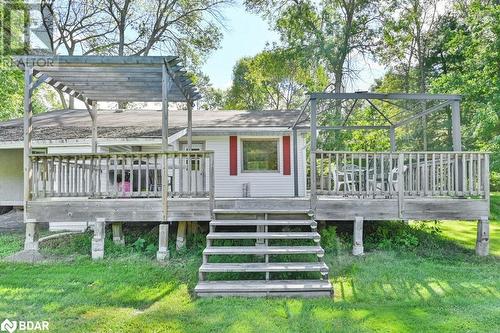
[274, 79]
[469, 65]
[332, 32]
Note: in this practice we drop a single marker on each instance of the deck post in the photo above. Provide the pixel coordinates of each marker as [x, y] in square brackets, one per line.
[165, 86]
[163, 253]
[118, 237]
[357, 237]
[180, 241]
[392, 135]
[98, 239]
[295, 163]
[28, 128]
[32, 235]
[483, 237]
[313, 156]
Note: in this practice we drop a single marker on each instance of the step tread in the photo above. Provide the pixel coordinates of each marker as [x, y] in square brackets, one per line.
[263, 250]
[263, 235]
[261, 222]
[265, 267]
[263, 285]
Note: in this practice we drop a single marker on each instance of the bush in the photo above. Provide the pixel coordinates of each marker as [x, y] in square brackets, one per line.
[495, 181]
[329, 239]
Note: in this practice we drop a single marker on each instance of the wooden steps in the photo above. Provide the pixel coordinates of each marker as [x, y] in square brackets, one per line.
[234, 224]
[263, 250]
[261, 288]
[264, 235]
[311, 223]
[256, 267]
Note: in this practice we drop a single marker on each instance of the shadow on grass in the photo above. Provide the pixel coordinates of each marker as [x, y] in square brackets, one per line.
[435, 285]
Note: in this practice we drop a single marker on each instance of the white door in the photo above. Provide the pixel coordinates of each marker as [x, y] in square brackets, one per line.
[193, 178]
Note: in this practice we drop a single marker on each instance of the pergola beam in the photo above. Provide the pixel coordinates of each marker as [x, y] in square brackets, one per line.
[423, 113]
[61, 87]
[111, 78]
[367, 95]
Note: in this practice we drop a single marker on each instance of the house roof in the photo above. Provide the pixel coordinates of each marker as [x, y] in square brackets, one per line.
[76, 124]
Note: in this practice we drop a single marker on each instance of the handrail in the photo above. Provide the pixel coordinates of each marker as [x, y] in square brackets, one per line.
[188, 174]
[402, 152]
[402, 175]
[143, 153]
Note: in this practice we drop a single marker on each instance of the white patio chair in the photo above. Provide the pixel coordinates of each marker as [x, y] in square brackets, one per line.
[344, 179]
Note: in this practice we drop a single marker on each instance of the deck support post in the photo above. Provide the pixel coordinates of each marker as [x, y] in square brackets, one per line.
[180, 241]
[357, 237]
[483, 237]
[163, 253]
[32, 235]
[98, 239]
[118, 237]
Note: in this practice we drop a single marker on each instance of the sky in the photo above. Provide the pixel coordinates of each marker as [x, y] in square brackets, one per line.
[247, 34]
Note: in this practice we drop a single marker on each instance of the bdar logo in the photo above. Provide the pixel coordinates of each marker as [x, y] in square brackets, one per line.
[9, 326]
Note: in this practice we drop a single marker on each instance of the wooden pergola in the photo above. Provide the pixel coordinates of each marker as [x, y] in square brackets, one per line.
[389, 123]
[93, 79]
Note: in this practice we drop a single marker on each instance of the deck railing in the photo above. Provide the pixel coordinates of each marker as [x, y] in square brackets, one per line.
[414, 174]
[123, 175]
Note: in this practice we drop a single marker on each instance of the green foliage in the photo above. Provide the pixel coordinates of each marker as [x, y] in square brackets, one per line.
[276, 79]
[470, 67]
[399, 236]
[329, 239]
[12, 93]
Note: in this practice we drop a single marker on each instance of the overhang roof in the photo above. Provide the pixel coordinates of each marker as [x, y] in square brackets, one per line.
[76, 124]
[113, 78]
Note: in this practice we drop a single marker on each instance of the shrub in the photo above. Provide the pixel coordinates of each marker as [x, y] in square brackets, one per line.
[329, 239]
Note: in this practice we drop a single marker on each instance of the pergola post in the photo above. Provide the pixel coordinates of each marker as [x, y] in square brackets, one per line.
[165, 85]
[457, 139]
[313, 154]
[455, 126]
[295, 163]
[31, 241]
[392, 135]
[93, 115]
[190, 125]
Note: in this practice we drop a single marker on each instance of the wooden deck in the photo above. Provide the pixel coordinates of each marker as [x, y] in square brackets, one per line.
[198, 209]
[343, 186]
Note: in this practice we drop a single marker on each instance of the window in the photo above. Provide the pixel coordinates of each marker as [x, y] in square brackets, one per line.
[260, 155]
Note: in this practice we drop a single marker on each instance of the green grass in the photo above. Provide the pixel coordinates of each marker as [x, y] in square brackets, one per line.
[438, 285]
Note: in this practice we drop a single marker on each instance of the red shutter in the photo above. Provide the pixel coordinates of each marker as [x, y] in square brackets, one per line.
[287, 170]
[233, 155]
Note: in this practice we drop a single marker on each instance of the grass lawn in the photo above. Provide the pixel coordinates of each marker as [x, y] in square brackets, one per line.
[420, 280]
